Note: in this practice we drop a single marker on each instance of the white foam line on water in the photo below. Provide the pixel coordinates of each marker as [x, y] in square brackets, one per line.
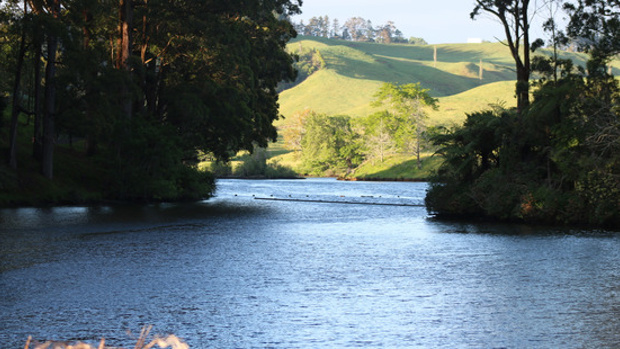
[338, 202]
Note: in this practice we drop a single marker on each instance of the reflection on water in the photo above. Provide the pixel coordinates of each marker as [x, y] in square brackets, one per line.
[236, 272]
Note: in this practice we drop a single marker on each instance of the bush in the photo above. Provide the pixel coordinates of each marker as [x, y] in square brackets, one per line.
[220, 168]
[275, 170]
[254, 165]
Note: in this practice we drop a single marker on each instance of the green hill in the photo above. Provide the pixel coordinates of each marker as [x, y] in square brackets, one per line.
[353, 71]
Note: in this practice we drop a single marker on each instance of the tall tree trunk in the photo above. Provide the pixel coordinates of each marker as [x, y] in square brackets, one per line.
[90, 137]
[158, 104]
[150, 80]
[47, 162]
[417, 153]
[124, 52]
[16, 107]
[37, 136]
[523, 76]
[124, 39]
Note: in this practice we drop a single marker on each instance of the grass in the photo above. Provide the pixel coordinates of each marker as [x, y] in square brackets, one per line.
[328, 92]
[452, 109]
[398, 167]
[354, 71]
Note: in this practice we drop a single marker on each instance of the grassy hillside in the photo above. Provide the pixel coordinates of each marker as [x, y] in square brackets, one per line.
[452, 109]
[354, 71]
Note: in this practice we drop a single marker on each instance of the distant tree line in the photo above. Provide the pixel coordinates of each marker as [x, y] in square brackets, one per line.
[355, 29]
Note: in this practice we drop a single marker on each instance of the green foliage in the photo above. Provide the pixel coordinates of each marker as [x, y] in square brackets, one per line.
[255, 165]
[186, 77]
[600, 194]
[276, 170]
[417, 41]
[596, 25]
[308, 61]
[379, 131]
[555, 163]
[407, 103]
[220, 169]
[151, 166]
[473, 148]
[329, 143]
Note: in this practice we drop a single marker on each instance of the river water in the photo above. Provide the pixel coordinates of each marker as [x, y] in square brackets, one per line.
[329, 269]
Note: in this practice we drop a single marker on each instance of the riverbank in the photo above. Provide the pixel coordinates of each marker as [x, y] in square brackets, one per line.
[78, 180]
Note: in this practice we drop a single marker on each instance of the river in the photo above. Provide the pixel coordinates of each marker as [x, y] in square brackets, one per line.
[329, 264]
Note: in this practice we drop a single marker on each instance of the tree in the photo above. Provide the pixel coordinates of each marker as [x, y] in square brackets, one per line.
[379, 129]
[514, 17]
[295, 130]
[325, 26]
[557, 163]
[407, 103]
[385, 33]
[153, 85]
[369, 33]
[357, 28]
[12, 160]
[49, 115]
[595, 25]
[417, 41]
[336, 28]
[329, 144]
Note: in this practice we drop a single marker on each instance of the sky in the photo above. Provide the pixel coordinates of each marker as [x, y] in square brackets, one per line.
[436, 21]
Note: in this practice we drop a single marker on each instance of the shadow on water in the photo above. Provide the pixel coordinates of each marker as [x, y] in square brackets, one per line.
[31, 236]
[68, 219]
[485, 227]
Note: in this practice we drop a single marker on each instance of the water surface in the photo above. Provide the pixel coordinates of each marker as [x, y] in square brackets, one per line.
[236, 271]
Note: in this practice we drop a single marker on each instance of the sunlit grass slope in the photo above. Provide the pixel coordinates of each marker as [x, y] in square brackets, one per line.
[328, 92]
[399, 166]
[453, 109]
[354, 71]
